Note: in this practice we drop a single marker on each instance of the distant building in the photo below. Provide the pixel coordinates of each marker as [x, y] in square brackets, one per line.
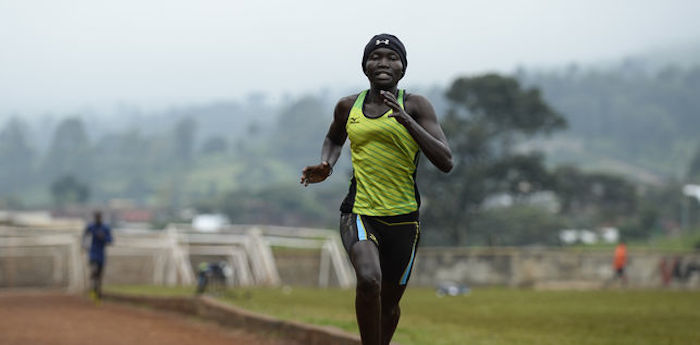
[209, 222]
[610, 235]
[572, 236]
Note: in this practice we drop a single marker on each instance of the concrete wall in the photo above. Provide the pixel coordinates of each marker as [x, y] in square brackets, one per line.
[516, 267]
[124, 270]
[34, 266]
[540, 267]
[301, 267]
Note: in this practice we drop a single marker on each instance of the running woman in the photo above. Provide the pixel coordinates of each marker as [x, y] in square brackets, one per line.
[387, 128]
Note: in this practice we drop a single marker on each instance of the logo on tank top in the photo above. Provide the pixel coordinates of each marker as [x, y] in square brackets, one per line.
[354, 120]
[386, 41]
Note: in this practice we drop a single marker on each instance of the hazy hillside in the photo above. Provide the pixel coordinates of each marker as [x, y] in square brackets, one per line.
[638, 116]
[627, 115]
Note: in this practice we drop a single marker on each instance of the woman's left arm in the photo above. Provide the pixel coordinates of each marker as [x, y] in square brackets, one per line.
[423, 126]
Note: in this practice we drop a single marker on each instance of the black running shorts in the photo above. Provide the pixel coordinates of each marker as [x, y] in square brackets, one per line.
[396, 237]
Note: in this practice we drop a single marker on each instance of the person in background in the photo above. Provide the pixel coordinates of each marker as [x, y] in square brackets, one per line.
[665, 271]
[98, 235]
[620, 262]
[212, 274]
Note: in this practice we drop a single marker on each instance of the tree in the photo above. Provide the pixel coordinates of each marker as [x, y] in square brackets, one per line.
[276, 204]
[17, 157]
[300, 131]
[694, 168]
[646, 119]
[520, 224]
[184, 138]
[70, 152]
[594, 198]
[215, 144]
[488, 116]
[68, 190]
[123, 154]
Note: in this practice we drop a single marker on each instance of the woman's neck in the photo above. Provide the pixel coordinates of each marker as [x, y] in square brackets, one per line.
[373, 96]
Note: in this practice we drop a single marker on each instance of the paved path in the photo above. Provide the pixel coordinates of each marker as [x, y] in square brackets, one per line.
[57, 319]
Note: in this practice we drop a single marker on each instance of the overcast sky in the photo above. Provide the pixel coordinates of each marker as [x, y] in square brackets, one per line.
[59, 56]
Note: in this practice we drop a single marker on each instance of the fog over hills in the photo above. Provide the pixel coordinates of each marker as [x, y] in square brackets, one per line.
[609, 135]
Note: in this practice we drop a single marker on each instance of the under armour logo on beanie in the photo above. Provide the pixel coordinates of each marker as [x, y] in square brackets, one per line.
[385, 41]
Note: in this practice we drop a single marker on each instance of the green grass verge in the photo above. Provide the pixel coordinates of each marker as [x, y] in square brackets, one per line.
[493, 316]
[688, 240]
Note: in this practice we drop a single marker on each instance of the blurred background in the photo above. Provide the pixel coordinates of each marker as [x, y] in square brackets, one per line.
[572, 123]
[573, 126]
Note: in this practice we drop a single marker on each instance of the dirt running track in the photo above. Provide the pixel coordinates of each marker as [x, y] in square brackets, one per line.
[56, 319]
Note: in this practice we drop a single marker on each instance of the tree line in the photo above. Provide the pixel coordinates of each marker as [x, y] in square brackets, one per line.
[498, 193]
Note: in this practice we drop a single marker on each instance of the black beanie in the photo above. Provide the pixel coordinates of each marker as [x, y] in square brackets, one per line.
[385, 41]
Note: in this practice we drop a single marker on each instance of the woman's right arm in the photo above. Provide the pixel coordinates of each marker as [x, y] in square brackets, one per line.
[332, 144]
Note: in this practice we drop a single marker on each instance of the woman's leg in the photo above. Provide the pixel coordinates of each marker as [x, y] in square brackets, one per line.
[365, 258]
[390, 296]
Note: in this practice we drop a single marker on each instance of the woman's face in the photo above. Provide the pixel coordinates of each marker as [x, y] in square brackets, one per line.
[384, 68]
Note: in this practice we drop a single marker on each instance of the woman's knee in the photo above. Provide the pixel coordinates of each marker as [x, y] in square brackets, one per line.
[365, 260]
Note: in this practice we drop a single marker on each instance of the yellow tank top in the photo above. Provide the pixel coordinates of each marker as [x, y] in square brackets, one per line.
[384, 159]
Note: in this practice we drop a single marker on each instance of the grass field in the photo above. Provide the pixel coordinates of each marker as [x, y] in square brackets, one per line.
[493, 316]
